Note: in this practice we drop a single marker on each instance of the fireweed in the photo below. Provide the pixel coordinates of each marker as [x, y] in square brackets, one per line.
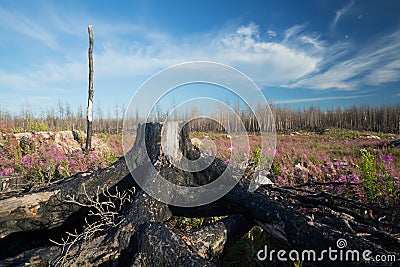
[367, 175]
[47, 161]
[334, 158]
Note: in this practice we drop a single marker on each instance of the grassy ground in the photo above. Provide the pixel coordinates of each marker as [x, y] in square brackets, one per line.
[338, 155]
[43, 161]
[361, 158]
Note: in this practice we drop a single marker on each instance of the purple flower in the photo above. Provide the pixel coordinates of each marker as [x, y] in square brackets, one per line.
[342, 178]
[27, 160]
[388, 158]
[339, 191]
[59, 158]
[6, 171]
[227, 161]
[354, 179]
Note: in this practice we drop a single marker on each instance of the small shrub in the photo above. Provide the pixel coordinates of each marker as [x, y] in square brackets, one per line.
[367, 166]
[36, 126]
[257, 153]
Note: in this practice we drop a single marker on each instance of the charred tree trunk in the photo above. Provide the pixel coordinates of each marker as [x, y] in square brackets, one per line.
[90, 96]
[112, 222]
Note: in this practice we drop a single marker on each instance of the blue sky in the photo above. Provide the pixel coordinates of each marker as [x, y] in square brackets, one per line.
[301, 53]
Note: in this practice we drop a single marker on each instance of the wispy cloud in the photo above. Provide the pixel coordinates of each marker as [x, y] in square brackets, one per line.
[22, 24]
[293, 32]
[312, 41]
[48, 77]
[269, 63]
[377, 64]
[271, 34]
[341, 12]
[316, 99]
[125, 52]
[298, 60]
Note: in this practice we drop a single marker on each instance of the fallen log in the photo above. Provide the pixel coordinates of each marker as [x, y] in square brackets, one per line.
[105, 219]
[46, 208]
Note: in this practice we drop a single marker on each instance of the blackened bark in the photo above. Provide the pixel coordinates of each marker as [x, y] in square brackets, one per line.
[90, 93]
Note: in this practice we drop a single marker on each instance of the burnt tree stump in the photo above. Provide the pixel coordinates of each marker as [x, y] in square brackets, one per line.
[111, 221]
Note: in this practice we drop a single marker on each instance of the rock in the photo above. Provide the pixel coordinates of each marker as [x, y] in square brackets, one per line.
[97, 143]
[69, 141]
[66, 140]
[45, 135]
[19, 136]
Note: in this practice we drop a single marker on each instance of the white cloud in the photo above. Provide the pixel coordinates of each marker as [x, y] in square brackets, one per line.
[249, 30]
[337, 76]
[341, 12]
[297, 59]
[293, 32]
[271, 34]
[375, 65]
[46, 78]
[387, 73]
[25, 26]
[270, 63]
[312, 41]
[316, 99]
[122, 65]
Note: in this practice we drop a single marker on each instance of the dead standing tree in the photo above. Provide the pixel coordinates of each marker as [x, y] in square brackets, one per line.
[105, 219]
[90, 96]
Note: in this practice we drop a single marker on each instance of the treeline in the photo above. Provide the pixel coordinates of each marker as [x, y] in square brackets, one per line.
[61, 118]
[385, 118]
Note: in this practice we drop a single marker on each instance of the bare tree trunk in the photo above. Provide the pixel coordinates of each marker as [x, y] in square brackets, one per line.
[90, 97]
